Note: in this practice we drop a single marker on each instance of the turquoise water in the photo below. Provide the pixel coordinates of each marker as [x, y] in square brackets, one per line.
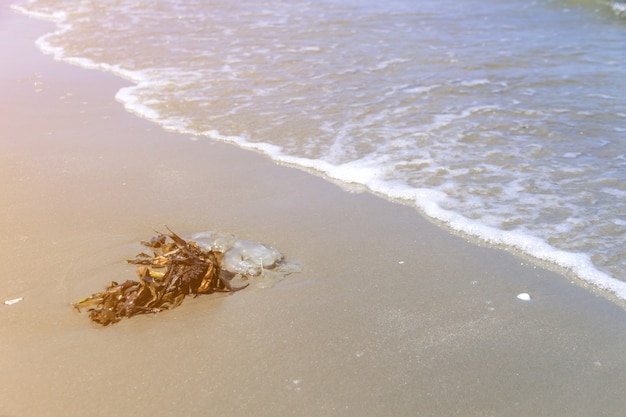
[503, 119]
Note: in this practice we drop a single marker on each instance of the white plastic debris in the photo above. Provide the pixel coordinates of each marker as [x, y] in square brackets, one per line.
[524, 296]
[13, 301]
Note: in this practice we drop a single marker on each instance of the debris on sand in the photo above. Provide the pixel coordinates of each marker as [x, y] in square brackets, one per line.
[175, 269]
[13, 301]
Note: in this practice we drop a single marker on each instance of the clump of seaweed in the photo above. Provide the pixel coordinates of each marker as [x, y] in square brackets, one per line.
[175, 269]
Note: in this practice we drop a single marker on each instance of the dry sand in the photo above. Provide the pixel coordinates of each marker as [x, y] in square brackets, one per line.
[391, 315]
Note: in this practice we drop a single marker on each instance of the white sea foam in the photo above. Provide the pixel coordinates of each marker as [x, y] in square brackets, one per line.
[386, 64]
[421, 89]
[57, 16]
[135, 105]
[619, 8]
[474, 83]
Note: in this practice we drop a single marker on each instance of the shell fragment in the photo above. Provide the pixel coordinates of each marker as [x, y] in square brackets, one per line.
[13, 301]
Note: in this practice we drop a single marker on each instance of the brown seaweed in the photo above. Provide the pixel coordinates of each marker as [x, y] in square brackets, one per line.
[175, 269]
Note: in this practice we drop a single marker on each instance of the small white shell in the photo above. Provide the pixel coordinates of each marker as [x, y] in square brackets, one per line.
[13, 301]
[524, 296]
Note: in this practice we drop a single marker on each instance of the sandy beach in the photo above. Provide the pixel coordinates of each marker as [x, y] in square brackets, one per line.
[390, 316]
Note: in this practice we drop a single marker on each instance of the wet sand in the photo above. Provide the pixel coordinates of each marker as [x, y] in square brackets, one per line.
[391, 316]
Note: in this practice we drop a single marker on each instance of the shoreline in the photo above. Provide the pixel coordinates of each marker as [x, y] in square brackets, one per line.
[578, 266]
[390, 316]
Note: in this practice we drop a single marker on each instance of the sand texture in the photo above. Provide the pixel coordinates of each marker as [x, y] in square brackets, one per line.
[391, 315]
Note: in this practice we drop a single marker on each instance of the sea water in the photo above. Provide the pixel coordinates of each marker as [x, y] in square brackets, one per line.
[502, 119]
